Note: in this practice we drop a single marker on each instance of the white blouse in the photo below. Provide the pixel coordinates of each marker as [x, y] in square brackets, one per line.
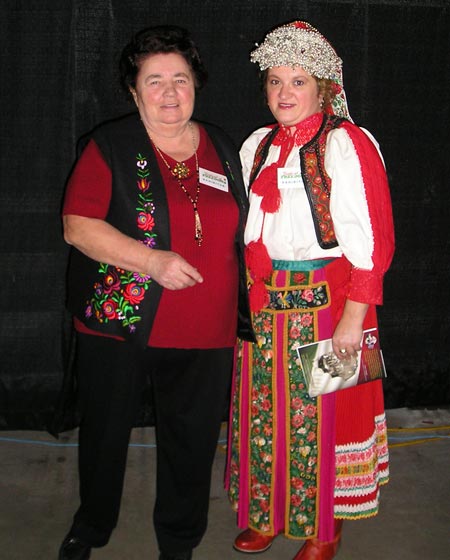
[289, 233]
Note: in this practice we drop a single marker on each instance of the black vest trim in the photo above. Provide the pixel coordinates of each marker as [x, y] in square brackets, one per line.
[318, 185]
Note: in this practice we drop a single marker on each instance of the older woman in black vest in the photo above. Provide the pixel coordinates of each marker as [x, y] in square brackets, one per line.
[154, 211]
[319, 238]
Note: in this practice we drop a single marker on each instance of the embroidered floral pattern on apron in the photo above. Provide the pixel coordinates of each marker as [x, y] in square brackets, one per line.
[277, 393]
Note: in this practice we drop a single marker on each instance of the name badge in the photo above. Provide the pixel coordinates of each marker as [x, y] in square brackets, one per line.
[212, 179]
[289, 177]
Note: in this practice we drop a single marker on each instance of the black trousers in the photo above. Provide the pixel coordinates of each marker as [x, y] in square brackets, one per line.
[190, 389]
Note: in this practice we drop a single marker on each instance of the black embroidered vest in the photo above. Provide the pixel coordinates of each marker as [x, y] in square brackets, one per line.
[123, 303]
[315, 178]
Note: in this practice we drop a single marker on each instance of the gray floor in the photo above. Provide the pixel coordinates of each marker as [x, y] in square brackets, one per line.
[39, 494]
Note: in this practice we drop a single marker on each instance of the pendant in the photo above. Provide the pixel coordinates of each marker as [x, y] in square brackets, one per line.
[198, 228]
[181, 171]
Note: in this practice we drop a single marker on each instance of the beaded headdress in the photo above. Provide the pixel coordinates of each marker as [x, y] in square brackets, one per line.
[300, 44]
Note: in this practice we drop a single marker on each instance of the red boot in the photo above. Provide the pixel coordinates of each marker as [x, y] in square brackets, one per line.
[250, 541]
[314, 549]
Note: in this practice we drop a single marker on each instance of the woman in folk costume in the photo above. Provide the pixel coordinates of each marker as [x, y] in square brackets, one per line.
[319, 239]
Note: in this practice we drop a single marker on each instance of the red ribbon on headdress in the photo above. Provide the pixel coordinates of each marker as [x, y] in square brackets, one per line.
[301, 25]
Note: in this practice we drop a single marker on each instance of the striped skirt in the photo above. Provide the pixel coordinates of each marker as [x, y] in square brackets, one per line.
[295, 462]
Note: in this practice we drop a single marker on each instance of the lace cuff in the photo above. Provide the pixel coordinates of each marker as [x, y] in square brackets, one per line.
[366, 286]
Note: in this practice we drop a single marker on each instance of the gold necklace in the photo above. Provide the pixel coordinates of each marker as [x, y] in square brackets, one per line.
[182, 171]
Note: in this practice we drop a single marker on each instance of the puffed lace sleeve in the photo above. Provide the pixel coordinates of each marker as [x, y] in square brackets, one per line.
[361, 209]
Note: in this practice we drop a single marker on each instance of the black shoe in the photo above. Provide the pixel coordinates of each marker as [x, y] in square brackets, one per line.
[74, 549]
[176, 556]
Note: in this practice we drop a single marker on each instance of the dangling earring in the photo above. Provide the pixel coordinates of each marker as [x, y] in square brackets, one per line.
[134, 94]
[321, 103]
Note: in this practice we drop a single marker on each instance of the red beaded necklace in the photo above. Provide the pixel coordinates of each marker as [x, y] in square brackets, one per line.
[181, 171]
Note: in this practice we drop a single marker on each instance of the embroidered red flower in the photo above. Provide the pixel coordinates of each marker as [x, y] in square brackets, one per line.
[145, 221]
[109, 309]
[296, 500]
[308, 295]
[265, 390]
[299, 277]
[143, 185]
[310, 411]
[306, 319]
[264, 505]
[134, 293]
[266, 405]
[111, 281]
[297, 483]
[311, 437]
[296, 403]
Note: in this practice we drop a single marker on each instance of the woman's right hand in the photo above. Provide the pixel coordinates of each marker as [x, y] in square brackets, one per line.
[348, 333]
[172, 271]
[102, 242]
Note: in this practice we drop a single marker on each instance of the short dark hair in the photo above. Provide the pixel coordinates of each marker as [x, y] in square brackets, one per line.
[157, 40]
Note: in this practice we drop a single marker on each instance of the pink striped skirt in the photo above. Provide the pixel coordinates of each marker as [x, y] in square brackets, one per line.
[295, 462]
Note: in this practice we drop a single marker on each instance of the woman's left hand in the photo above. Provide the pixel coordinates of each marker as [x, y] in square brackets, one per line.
[348, 333]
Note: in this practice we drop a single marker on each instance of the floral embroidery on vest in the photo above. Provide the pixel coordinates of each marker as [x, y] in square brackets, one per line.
[118, 294]
[318, 185]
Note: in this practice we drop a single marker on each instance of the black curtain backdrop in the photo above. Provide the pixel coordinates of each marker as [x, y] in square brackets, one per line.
[59, 80]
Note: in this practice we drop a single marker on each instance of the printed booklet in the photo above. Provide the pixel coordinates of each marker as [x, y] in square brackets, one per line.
[324, 372]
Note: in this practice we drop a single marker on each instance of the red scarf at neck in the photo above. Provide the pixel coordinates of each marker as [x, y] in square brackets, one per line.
[266, 184]
[257, 258]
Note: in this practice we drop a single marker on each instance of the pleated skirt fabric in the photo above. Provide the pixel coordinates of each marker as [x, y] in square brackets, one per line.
[296, 462]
